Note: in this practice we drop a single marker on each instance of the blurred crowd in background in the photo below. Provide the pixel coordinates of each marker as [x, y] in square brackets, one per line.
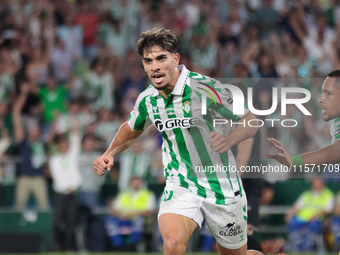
[69, 77]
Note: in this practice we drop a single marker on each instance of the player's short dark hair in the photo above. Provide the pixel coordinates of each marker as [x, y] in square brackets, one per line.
[335, 74]
[164, 38]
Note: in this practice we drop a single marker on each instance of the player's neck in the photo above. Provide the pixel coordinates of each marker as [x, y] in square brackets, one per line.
[167, 91]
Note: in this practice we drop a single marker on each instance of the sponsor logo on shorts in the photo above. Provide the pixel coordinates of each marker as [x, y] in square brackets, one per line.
[231, 229]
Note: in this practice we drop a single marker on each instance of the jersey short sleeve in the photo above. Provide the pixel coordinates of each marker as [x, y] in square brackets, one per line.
[335, 130]
[217, 97]
[226, 110]
[139, 117]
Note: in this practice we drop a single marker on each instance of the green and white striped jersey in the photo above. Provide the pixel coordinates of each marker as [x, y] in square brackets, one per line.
[188, 158]
[335, 129]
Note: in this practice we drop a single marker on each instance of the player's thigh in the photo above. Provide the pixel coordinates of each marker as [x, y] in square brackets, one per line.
[176, 227]
[180, 214]
[239, 251]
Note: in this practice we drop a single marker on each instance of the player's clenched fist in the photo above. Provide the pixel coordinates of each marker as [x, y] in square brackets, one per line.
[103, 164]
[219, 142]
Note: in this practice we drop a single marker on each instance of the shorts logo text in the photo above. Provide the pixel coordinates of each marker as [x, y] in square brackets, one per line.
[231, 229]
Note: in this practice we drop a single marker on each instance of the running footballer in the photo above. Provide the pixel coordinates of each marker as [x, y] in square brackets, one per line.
[190, 141]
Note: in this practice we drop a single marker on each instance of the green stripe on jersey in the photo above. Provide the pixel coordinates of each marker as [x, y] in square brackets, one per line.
[335, 128]
[174, 163]
[141, 119]
[206, 160]
[224, 157]
[184, 153]
[190, 171]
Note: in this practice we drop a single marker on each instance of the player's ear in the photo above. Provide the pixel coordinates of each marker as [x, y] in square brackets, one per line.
[176, 58]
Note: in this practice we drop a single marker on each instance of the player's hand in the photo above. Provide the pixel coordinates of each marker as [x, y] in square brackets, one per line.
[282, 155]
[219, 142]
[103, 164]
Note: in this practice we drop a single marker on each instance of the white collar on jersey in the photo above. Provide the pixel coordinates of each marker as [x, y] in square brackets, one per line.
[180, 84]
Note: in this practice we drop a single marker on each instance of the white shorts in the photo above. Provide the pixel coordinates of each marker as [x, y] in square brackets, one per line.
[228, 223]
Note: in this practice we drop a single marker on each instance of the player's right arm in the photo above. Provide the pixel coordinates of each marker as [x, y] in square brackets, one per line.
[123, 140]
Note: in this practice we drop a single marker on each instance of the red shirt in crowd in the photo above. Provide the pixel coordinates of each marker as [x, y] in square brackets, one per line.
[89, 23]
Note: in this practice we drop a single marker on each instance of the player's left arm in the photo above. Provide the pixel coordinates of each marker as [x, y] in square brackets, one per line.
[326, 155]
[222, 143]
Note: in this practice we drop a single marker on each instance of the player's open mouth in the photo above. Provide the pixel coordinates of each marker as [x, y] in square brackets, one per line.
[323, 110]
[158, 78]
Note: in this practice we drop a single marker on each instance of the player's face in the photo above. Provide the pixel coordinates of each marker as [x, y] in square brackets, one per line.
[330, 99]
[160, 66]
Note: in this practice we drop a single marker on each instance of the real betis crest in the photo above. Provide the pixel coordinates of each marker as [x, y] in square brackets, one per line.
[186, 106]
[155, 109]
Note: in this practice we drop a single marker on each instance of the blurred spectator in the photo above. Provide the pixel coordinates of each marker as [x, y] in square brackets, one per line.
[108, 125]
[89, 190]
[306, 217]
[32, 109]
[40, 21]
[8, 68]
[72, 35]
[268, 193]
[204, 54]
[5, 139]
[229, 58]
[100, 87]
[53, 98]
[126, 9]
[115, 34]
[37, 67]
[335, 223]
[318, 43]
[74, 109]
[87, 18]
[128, 212]
[6, 117]
[136, 160]
[9, 27]
[5, 142]
[156, 173]
[61, 61]
[137, 80]
[33, 159]
[265, 68]
[267, 18]
[64, 167]
[128, 101]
